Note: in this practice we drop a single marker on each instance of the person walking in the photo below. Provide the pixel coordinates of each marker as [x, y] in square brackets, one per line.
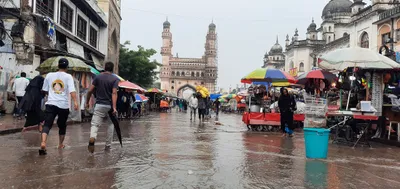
[217, 104]
[202, 108]
[31, 103]
[104, 87]
[193, 105]
[287, 106]
[19, 87]
[58, 86]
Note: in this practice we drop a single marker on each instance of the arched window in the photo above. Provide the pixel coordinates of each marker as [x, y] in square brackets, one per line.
[172, 87]
[364, 40]
[192, 74]
[277, 58]
[173, 73]
[202, 74]
[178, 74]
[301, 67]
[329, 29]
[183, 73]
[345, 34]
[329, 39]
[197, 74]
[313, 36]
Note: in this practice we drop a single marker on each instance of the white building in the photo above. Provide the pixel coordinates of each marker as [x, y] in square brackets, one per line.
[344, 24]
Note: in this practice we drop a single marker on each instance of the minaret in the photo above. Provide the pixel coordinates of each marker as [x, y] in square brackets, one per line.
[166, 52]
[312, 32]
[357, 6]
[211, 46]
[287, 40]
[211, 49]
[296, 35]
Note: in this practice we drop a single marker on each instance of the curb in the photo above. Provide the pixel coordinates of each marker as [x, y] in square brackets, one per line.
[10, 131]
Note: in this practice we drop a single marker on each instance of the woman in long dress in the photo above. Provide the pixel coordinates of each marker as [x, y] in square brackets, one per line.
[31, 103]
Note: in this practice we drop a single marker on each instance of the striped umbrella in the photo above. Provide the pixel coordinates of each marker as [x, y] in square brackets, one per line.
[268, 75]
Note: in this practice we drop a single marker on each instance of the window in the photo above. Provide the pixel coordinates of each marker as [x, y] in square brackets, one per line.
[364, 40]
[192, 74]
[301, 67]
[329, 29]
[93, 37]
[202, 74]
[178, 74]
[172, 87]
[172, 81]
[183, 73]
[45, 7]
[329, 39]
[385, 38]
[66, 16]
[197, 74]
[81, 28]
[202, 83]
[173, 74]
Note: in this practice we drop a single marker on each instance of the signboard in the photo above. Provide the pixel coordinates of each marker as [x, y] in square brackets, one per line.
[293, 72]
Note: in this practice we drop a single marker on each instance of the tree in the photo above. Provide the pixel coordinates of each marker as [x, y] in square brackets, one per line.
[136, 66]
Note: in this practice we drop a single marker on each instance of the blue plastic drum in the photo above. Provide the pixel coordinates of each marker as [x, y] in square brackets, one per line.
[316, 142]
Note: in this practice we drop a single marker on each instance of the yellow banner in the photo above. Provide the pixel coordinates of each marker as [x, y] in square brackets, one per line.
[293, 72]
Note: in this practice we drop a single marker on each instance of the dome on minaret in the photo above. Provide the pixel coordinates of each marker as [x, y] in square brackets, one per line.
[277, 48]
[312, 27]
[336, 6]
[212, 26]
[166, 24]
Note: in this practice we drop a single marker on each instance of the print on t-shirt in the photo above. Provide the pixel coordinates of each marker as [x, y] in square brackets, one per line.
[58, 86]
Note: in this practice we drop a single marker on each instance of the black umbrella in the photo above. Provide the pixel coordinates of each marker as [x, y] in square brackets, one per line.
[116, 125]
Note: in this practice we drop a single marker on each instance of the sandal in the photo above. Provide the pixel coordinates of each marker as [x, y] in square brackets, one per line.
[42, 150]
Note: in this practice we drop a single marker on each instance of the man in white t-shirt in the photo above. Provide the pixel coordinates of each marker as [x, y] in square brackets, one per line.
[19, 87]
[58, 86]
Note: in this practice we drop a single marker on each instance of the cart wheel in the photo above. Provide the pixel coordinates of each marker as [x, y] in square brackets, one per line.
[260, 128]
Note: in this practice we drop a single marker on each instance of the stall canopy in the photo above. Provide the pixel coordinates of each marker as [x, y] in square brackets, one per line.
[154, 90]
[356, 57]
[130, 85]
[268, 75]
[75, 64]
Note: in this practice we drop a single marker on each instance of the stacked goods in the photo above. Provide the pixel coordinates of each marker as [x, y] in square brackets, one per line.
[315, 111]
[203, 91]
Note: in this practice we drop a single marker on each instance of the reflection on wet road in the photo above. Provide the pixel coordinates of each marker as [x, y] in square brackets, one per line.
[168, 151]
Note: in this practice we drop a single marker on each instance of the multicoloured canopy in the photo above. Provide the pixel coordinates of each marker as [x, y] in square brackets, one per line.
[268, 75]
[141, 98]
[154, 90]
[119, 77]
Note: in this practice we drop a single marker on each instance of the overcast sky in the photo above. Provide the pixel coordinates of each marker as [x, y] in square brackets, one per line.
[246, 29]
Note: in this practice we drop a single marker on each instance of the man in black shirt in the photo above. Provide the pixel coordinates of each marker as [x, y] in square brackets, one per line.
[104, 87]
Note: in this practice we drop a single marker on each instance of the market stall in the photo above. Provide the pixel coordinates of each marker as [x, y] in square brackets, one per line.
[364, 74]
[260, 115]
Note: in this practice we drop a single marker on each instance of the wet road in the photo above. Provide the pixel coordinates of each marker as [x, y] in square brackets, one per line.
[169, 151]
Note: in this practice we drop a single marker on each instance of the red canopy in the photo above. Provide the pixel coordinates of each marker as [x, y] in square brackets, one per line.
[130, 85]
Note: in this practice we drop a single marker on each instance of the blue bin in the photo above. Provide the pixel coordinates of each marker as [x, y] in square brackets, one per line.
[316, 142]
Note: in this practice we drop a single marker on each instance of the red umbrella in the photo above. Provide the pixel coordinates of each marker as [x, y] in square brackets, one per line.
[130, 85]
[316, 74]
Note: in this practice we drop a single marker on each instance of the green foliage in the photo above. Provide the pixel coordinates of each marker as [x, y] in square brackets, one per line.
[136, 66]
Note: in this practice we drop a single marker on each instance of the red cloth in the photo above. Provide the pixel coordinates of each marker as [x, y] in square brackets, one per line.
[245, 118]
[366, 117]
